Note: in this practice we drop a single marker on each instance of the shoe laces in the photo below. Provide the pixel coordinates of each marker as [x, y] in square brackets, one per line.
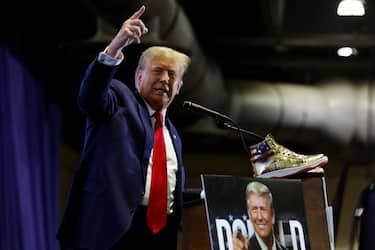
[279, 149]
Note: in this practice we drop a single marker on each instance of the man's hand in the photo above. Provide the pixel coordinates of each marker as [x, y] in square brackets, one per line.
[131, 31]
[240, 242]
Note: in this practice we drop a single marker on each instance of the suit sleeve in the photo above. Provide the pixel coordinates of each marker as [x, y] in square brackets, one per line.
[95, 96]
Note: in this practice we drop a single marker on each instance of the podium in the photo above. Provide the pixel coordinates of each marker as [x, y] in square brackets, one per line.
[195, 232]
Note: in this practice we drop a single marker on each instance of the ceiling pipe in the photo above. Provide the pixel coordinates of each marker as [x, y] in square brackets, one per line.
[341, 110]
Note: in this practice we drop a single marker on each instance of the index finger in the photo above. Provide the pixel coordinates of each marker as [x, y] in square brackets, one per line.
[138, 13]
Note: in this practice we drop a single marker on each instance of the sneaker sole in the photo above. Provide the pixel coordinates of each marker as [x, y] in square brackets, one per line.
[293, 170]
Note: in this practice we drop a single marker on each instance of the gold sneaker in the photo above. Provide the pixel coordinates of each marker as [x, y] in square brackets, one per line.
[271, 160]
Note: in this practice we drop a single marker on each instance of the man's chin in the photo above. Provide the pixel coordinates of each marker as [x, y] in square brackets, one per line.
[263, 233]
[159, 101]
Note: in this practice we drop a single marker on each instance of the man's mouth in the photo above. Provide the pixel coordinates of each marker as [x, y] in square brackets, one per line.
[162, 90]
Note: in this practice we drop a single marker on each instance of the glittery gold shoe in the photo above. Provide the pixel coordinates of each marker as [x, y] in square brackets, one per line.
[271, 160]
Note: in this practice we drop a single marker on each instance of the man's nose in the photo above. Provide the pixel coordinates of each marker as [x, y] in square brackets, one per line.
[258, 215]
[164, 76]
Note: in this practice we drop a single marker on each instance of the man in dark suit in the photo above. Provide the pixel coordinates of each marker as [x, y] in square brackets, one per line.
[261, 212]
[109, 201]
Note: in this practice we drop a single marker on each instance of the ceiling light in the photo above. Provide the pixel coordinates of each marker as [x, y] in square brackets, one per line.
[351, 8]
[347, 51]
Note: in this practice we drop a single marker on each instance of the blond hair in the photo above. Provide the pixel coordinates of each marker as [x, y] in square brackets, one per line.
[181, 58]
[260, 189]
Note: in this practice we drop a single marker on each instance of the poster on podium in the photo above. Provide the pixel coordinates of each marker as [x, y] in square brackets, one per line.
[256, 212]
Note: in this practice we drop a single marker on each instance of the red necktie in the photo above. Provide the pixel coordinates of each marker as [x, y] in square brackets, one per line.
[157, 203]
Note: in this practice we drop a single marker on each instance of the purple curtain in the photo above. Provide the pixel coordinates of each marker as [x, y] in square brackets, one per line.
[29, 159]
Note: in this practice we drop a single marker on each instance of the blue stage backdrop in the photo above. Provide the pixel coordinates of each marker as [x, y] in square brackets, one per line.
[29, 147]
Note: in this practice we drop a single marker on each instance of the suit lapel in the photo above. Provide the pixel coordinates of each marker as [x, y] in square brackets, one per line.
[149, 134]
[176, 142]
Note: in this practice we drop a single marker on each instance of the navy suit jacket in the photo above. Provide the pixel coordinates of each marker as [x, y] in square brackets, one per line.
[109, 184]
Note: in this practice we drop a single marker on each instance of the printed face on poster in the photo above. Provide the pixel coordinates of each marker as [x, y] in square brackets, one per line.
[236, 208]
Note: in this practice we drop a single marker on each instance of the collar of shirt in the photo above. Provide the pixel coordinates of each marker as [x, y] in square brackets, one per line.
[263, 245]
[151, 112]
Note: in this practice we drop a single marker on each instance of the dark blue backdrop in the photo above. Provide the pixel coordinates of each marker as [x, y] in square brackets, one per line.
[29, 159]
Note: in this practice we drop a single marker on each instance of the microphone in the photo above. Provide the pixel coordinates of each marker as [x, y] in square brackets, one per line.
[224, 120]
[210, 112]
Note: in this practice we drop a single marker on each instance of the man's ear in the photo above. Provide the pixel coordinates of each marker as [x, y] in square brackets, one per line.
[138, 76]
[179, 87]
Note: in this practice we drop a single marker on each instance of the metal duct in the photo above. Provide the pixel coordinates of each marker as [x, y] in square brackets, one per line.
[340, 109]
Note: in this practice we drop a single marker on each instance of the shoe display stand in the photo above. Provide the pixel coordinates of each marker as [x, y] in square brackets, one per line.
[195, 235]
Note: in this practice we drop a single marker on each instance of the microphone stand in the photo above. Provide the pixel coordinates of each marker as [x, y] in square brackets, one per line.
[237, 129]
[241, 131]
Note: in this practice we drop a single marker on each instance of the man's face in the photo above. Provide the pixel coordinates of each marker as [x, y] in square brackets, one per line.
[261, 214]
[159, 81]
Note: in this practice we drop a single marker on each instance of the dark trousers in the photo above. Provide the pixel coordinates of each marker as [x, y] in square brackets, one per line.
[139, 236]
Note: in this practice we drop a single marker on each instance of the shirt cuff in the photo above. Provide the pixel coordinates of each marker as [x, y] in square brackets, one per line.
[110, 61]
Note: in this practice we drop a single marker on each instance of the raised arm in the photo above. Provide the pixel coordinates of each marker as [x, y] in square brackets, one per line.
[131, 31]
[94, 96]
